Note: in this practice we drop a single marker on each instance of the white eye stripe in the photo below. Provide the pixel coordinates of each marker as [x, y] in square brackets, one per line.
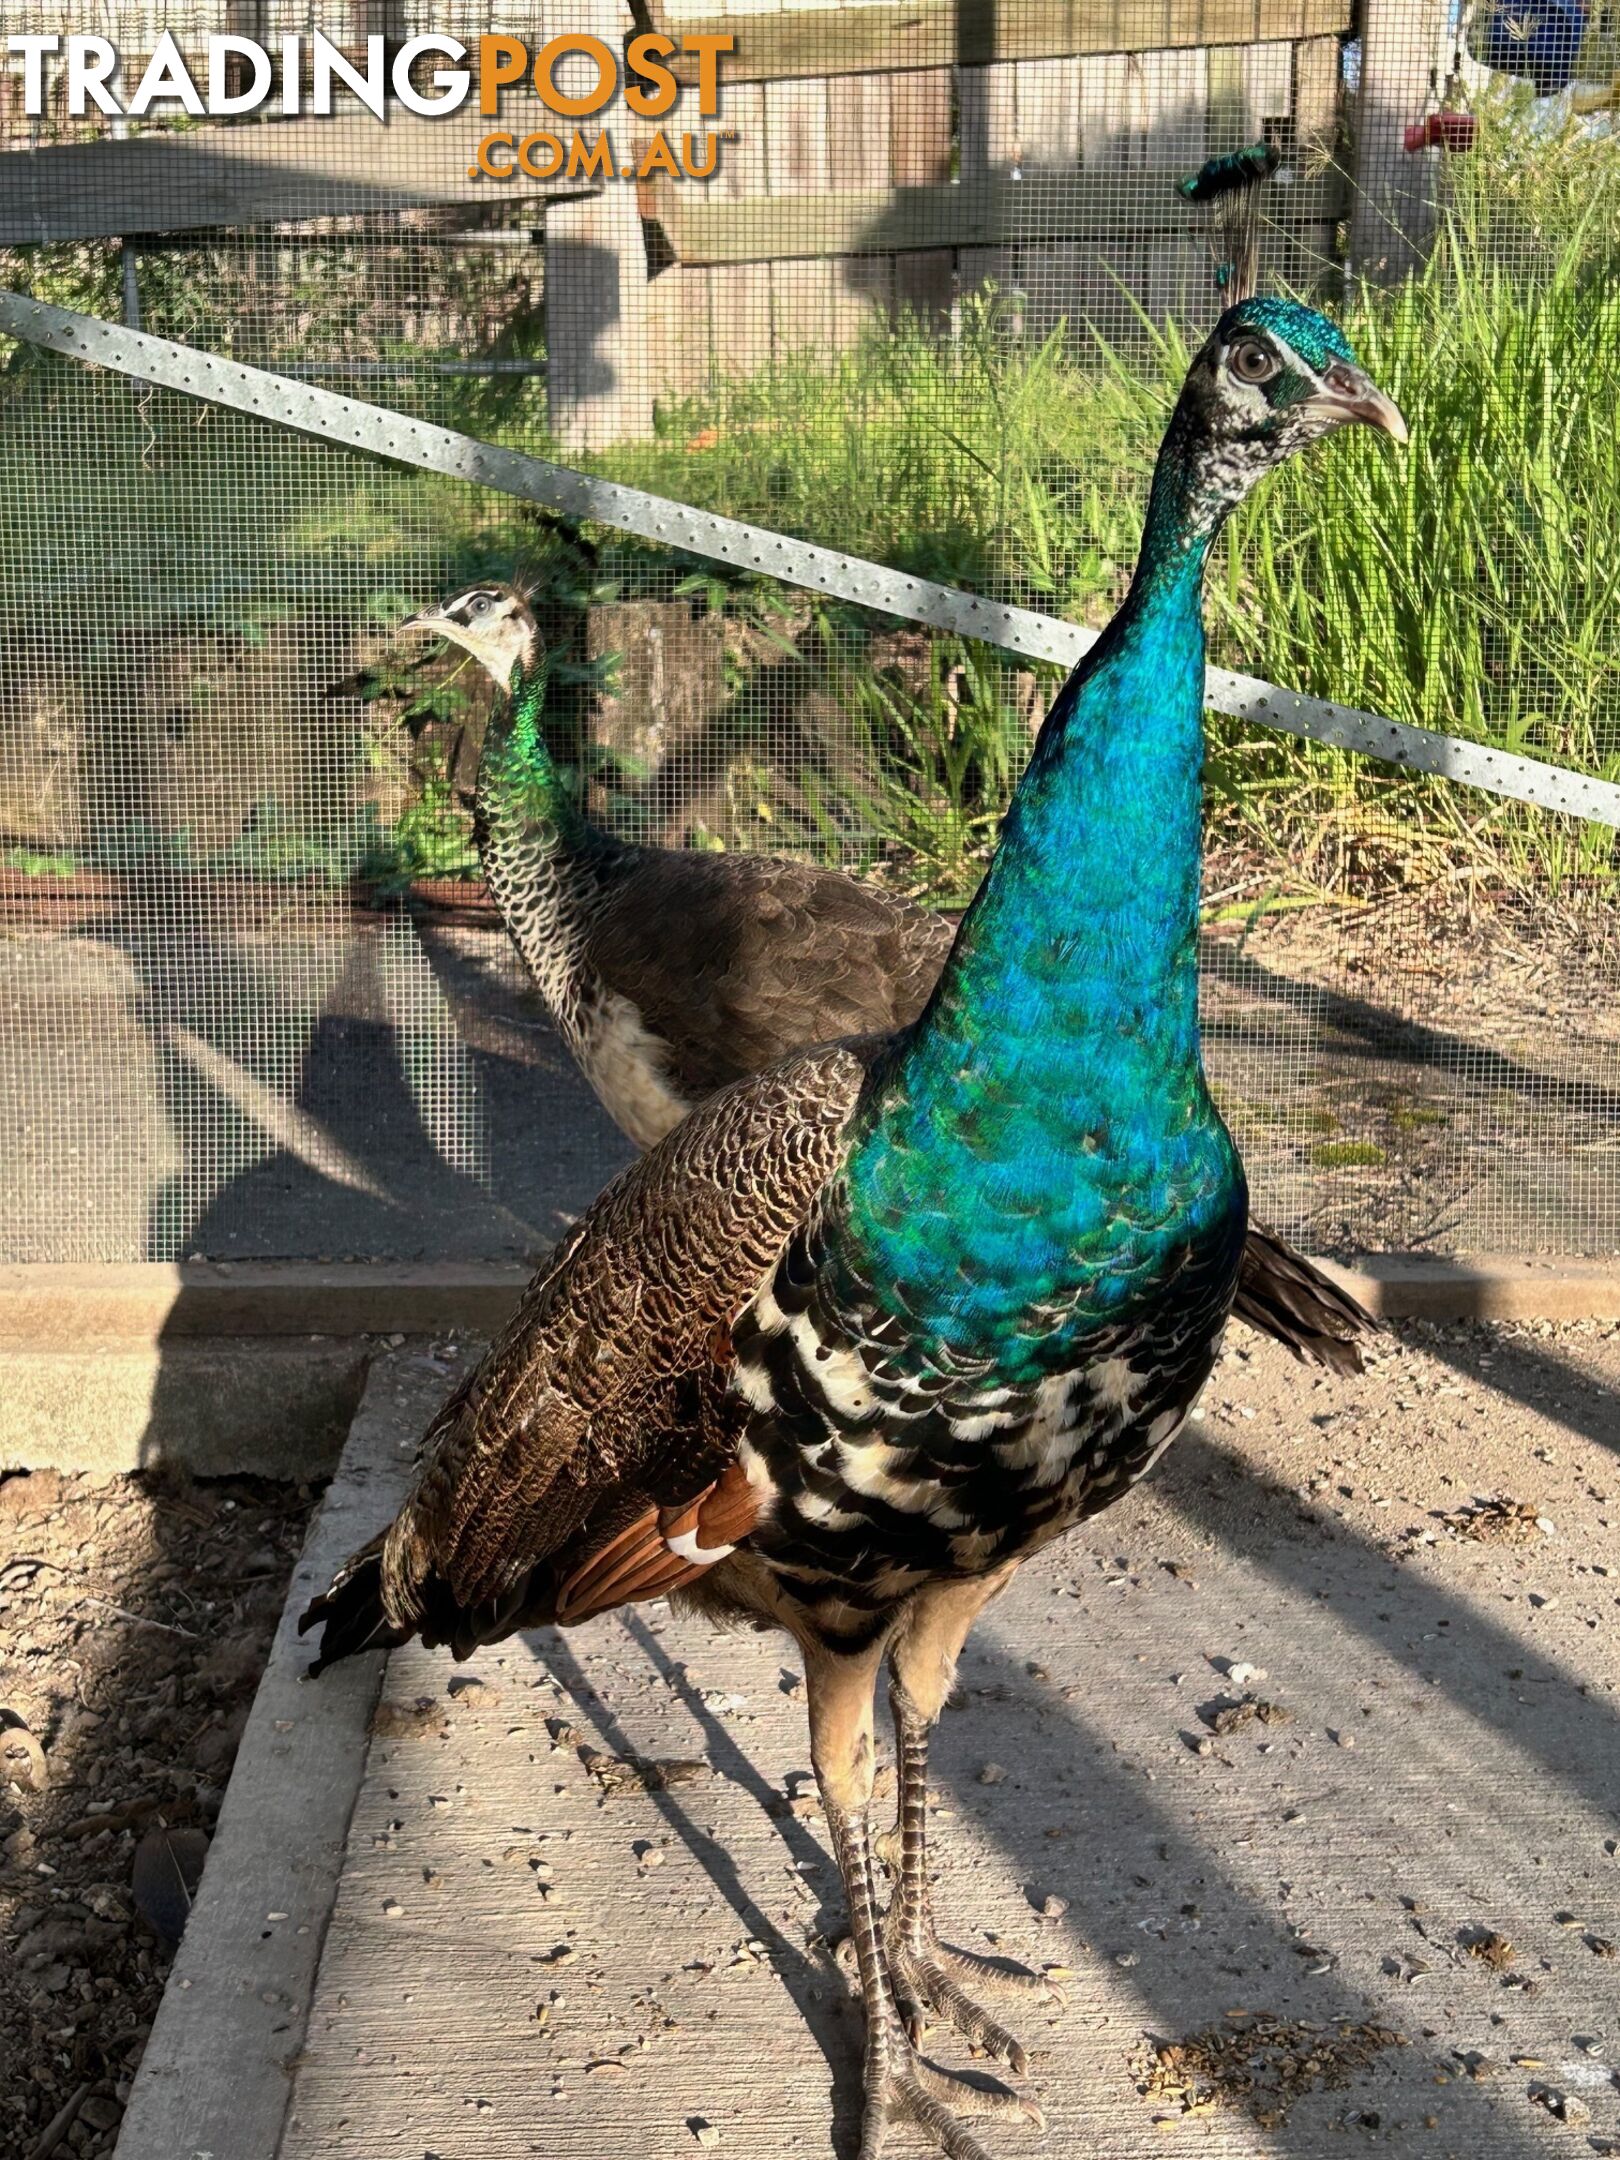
[1292, 359]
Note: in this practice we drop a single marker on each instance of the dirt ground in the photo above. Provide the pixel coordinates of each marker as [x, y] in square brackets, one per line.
[1435, 1071]
[135, 1614]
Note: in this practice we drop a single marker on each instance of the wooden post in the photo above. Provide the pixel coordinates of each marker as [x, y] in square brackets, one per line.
[249, 19]
[598, 357]
[598, 382]
[1392, 212]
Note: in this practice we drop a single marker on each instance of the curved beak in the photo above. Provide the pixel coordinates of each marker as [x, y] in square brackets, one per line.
[1349, 394]
[425, 619]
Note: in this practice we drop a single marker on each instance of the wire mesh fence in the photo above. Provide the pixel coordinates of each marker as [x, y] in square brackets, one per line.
[928, 306]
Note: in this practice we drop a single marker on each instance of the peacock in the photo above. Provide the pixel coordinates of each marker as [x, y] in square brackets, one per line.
[671, 972]
[871, 1327]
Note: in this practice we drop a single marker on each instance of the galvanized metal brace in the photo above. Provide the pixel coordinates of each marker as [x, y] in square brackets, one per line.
[331, 417]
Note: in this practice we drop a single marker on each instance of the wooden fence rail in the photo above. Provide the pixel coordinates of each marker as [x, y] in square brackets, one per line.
[885, 157]
[903, 174]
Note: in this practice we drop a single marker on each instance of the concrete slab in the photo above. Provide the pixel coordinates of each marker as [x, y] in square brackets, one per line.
[215, 2078]
[277, 1409]
[531, 1953]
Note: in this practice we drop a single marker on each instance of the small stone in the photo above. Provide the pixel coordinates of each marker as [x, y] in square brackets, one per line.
[1567, 2106]
[992, 1774]
[392, 1908]
[471, 1693]
[706, 2133]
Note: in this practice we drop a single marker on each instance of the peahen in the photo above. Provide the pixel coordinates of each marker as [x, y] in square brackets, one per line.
[871, 1327]
[670, 973]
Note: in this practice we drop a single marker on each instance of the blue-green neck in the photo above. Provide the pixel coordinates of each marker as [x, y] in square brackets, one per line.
[1043, 1139]
[520, 789]
[1084, 931]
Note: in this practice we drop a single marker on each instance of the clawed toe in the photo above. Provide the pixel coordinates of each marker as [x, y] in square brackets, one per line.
[934, 2101]
[970, 2095]
[922, 1984]
[997, 1976]
[928, 1977]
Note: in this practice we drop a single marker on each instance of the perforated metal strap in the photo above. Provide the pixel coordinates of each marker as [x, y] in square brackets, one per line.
[331, 417]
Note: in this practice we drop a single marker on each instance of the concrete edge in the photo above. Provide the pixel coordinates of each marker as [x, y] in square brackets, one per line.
[76, 1307]
[270, 1406]
[49, 1306]
[216, 2077]
[1489, 1286]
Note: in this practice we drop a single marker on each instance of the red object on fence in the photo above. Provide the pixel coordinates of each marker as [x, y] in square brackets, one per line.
[1442, 131]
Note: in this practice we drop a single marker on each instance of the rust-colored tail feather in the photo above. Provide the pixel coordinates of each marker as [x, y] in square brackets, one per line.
[638, 1563]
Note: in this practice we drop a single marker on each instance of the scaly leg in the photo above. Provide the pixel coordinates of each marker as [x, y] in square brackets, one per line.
[897, 2086]
[926, 1975]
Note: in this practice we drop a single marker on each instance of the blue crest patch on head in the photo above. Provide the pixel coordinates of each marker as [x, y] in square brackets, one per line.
[1317, 341]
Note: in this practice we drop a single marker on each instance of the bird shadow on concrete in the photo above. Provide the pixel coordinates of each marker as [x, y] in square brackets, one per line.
[1116, 1831]
[1151, 1845]
[1486, 1669]
[817, 1988]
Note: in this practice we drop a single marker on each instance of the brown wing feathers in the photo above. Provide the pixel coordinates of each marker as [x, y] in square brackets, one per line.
[1284, 1295]
[737, 961]
[600, 1418]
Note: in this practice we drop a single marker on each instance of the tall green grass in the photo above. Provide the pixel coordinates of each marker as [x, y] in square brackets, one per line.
[1468, 584]
[1472, 583]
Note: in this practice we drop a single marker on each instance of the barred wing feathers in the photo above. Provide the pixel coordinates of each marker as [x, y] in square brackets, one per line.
[601, 1425]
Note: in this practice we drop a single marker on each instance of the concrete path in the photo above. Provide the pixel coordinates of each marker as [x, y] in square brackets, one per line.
[1411, 1869]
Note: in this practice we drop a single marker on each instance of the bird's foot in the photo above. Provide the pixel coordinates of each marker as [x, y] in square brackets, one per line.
[900, 2087]
[928, 1976]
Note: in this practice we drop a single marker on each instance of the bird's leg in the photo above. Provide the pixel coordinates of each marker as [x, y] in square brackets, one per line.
[925, 1974]
[896, 2086]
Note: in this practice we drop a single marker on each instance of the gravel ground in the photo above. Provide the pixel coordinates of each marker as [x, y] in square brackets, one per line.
[135, 1614]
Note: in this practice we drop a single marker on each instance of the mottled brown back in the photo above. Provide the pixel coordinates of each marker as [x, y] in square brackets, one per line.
[606, 1393]
[737, 961]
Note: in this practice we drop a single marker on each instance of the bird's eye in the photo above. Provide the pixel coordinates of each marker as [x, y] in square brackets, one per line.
[1251, 362]
[481, 604]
